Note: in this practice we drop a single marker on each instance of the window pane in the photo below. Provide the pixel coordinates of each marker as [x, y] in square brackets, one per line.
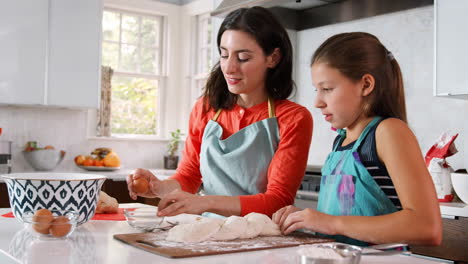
[129, 60]
[209, 31]
[148, 60]
[149, 31]
[110, 26]
[134, 105]
[129, 29]
[110, 54]
[208, 61]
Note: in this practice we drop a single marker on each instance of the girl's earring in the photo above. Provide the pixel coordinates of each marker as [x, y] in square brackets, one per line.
[366, 108]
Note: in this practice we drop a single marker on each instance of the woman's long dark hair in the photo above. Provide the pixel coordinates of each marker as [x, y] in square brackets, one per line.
[358, 53]
[269, 34]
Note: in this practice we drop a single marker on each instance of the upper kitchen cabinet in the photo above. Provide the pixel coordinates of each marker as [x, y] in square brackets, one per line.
[23, 51]
[50, 52]
[451, 42]
[74, 53]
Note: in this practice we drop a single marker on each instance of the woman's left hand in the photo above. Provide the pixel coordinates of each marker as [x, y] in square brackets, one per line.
[178, 202]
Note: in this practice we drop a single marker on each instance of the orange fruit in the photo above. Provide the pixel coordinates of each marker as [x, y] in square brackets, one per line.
[99, 163]
[88, 162]
[111, 160]
[49, 147]
[79, 159]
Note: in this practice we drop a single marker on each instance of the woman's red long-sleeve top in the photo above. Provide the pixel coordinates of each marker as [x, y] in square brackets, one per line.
[287, 167]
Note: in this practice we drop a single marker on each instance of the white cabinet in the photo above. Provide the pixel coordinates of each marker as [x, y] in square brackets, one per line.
[451, 48]
[74, 53]
[23, 50]
[50, 52]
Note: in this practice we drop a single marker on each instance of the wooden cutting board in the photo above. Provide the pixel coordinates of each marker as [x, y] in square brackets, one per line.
[156, 243]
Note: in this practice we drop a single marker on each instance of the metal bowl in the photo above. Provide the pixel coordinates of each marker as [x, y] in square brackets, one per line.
[330, 254]
[44, 159]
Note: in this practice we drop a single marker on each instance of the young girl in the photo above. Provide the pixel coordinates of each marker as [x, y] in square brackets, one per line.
[375, 186]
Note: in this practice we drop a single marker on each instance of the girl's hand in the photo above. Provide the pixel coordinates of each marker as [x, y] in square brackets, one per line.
[280, 216]
[178, 202]
[309, 219]
[153, 183]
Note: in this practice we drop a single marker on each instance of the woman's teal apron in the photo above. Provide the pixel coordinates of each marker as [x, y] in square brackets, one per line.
[347, 188]
[238, 165]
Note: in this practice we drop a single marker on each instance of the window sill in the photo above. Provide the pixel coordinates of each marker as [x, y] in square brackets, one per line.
[129, 138]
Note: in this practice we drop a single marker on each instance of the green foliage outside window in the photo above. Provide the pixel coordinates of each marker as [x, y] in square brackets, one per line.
[133, 106]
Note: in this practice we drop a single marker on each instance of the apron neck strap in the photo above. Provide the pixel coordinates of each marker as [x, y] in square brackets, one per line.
[365, 132]
[271, 110]
[217, 114]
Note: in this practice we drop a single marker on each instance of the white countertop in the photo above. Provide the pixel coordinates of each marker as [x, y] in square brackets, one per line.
[454, 209]
[120, 175]
[449, 209]
[93, 243]
[117, 175]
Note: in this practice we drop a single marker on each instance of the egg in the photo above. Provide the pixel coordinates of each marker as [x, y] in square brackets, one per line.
[60, 226]
[140, 185]
[41, 221]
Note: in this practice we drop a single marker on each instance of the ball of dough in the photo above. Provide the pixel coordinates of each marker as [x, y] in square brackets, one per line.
[194, 232]
[233, 228]
[269, 228]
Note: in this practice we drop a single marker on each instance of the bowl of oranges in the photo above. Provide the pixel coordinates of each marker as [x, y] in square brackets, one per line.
[51, 223]
[101, 159]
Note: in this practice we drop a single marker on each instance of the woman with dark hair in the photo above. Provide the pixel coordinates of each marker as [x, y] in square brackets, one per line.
[375, 186]
[246, 143]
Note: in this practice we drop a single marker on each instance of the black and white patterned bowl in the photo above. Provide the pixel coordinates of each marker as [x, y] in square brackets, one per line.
[54, 191]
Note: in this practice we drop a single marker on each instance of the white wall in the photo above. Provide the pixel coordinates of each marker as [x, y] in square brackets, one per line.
[409, 36]
[66, 130]
[69, 130]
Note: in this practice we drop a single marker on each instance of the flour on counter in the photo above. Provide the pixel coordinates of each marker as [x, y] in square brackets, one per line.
[159, 240]
[318, 252]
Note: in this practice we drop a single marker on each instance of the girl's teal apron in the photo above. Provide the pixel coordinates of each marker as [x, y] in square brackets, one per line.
[238, 165]
[347, 188]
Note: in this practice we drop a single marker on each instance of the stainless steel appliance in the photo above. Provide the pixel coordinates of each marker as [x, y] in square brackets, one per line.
[307, 194]
[5, 157]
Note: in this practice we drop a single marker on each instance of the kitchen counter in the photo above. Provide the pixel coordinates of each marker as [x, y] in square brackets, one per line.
[120, 175]
[117, 175]
[93, 243]
[454, 209]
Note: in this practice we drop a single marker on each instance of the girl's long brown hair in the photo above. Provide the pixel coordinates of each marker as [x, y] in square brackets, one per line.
[358, 53]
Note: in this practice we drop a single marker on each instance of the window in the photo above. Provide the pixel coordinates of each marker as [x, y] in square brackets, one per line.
[132, 47]
[204, 53]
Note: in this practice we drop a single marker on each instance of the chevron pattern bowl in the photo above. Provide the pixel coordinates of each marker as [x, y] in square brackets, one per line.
[29, 192]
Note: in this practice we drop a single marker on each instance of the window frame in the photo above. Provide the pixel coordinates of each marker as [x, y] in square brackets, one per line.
[198, 45]
[161, 76]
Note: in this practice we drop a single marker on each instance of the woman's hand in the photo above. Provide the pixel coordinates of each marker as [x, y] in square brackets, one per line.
[153, 183]
[178, 202]
[290, 218]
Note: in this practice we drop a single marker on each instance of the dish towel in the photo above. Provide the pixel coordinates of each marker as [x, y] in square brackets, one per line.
[119, 216]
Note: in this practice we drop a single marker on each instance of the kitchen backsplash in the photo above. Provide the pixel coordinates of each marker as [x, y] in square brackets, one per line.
[66, 129]
[409, 35]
